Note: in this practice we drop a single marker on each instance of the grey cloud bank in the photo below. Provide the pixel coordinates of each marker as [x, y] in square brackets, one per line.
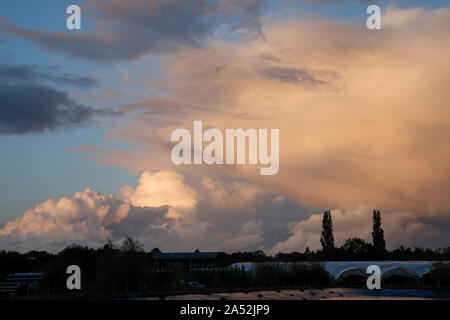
[131, 29]
[34, 108]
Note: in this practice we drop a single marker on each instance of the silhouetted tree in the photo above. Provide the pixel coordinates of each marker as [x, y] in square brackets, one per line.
[109, 244]
[378, 235]
[356, 249]
[327, 239]
[131, 245]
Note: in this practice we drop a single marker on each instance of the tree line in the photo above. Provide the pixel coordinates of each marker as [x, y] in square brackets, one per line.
[354, 248]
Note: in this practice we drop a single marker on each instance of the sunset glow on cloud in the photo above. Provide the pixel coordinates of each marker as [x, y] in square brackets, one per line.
[363, 116]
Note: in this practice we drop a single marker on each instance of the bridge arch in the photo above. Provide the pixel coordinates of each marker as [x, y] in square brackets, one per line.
[400, 276]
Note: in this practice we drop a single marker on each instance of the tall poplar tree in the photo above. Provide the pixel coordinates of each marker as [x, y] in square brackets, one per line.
[378, 234]
[327, 239]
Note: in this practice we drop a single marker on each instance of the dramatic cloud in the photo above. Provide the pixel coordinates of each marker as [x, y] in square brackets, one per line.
[162, 211]
[128, 30]
[163, 188]
[88, 217]
[35, 108]
[370, 127]
[29, 105]
[363, 118]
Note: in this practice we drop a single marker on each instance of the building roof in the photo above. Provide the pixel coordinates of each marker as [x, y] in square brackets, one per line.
[20, 276]
[185, 255]
[406, 268]
[26, 274]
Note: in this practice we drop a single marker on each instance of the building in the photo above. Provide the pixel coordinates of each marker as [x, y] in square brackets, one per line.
[185, 261]
[16, 284]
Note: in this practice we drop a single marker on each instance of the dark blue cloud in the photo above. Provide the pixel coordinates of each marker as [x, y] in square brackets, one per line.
[34, 108]
[301, 76]
[32, 73]
[130, 29]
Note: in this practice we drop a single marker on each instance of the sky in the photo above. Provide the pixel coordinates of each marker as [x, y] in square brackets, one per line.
[86, 118]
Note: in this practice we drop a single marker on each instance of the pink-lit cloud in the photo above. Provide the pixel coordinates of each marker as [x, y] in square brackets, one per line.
[364, 122]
